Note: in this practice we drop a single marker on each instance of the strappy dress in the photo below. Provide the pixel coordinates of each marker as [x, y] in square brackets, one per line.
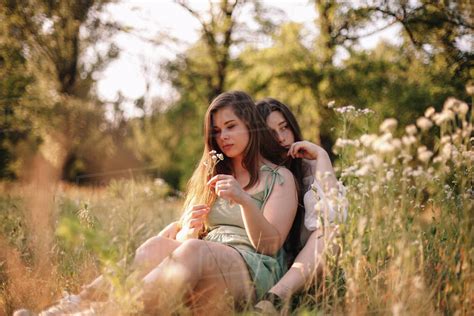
[227, 227]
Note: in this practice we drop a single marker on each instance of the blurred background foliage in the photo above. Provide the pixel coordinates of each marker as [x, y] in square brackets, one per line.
[53, 118]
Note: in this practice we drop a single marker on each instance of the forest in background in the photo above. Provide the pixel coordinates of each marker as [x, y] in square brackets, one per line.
[53, 120]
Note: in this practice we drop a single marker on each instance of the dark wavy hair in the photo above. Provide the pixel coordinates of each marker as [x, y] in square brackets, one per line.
[265, 107]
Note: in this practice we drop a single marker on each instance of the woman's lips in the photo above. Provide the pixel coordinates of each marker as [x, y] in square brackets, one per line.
[226, 147]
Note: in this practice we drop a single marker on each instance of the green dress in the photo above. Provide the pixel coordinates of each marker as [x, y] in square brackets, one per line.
[227, 227]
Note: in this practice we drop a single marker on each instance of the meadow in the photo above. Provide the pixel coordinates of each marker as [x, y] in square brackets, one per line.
[407, 245]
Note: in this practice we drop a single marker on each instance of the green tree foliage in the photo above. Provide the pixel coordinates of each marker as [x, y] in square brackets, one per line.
[304, 70]
[435, 28]
[49, 80]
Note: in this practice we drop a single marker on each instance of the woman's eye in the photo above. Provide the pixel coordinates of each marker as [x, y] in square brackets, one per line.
[230, 126]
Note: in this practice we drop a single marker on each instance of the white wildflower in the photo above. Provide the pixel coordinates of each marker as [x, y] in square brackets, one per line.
[440, 118]
[406, 157]
[389, 175]
[423, 123]
[346, 109]
[388, 125]
[367, 139]
[467, 130]
[446, 151]
[407, 171]
[411, 129]
[470, 88]
[408, 140]
[383, 145]
[449, 103]
[445, 139]
[418, 172]
[469, 155]
[374, 160]
[366, 111]
[343, 142]
[429, 112]
[458, 106]
[331, 104]
[424, 154]
[462, 108]
[396, 143]
[359, 154]
[362, 171]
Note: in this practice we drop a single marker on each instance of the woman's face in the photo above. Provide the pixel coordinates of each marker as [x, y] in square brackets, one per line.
[230, 131]
[277, 122]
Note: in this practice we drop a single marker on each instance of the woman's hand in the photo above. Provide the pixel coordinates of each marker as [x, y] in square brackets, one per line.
[196, 218]
[193, 223]
[170, 231]
[304, 149]
[227, 187]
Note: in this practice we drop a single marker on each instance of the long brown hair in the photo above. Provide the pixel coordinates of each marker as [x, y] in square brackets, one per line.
[261, 144]
[265, 107]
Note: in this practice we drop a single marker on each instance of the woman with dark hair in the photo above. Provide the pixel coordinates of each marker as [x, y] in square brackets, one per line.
[246, 202]
[323, 198]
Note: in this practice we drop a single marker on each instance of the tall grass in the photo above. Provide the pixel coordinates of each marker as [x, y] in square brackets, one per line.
[406, 248]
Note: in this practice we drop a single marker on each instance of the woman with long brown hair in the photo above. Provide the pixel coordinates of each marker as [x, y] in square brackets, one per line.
[246, 202]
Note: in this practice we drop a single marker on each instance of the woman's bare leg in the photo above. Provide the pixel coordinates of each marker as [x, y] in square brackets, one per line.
[150, 254]
[205, 271]
[307, 266]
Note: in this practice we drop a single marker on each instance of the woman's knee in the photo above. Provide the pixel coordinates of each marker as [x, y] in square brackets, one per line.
[145, 250]
[191, 248]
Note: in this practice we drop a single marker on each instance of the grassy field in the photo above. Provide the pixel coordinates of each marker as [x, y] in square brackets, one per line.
[407, 246]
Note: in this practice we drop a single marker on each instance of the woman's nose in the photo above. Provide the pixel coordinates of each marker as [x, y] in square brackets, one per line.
[224, 135]
[281, 139]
